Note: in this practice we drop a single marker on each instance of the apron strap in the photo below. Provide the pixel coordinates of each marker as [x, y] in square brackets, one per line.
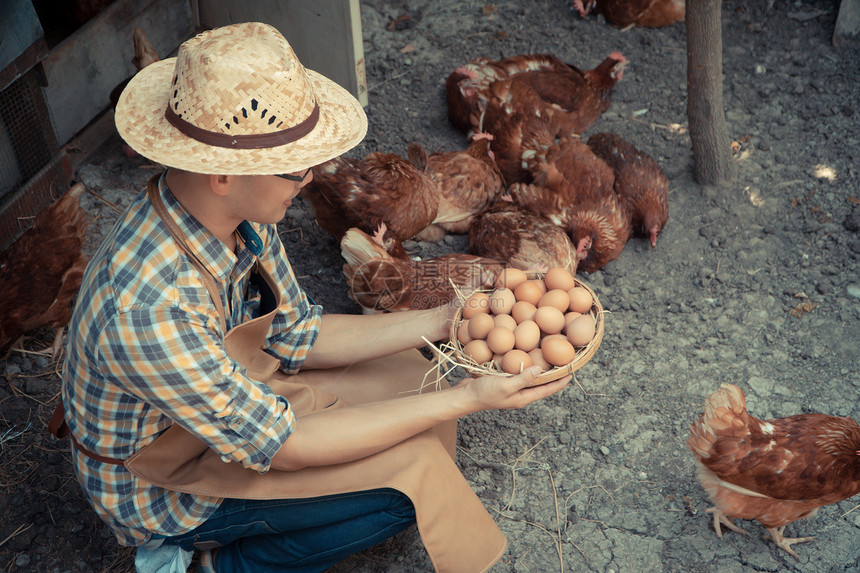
[57, 424]
[59, 429]
[176, 233]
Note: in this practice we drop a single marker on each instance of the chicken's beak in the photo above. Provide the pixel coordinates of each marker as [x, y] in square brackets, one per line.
[582, 248]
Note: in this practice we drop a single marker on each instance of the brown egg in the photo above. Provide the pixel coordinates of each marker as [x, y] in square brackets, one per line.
[580, 299]
[555, 297]
[505, 320]
[548, 318]
[463, 333]
[568, 317]
[502, 301]
[529, 291]
[515, 361]
[581, 330]
[478, 351]
[510, 278]
[523, 310]
[559, 278]
[551, 336]
[478, 303]
[557, 351]
[497, 360]
[500, 339]
[538, 360]
[527, 335]
[480, 325]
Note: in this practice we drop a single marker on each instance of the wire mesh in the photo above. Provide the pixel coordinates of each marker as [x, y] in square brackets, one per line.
[26, 141]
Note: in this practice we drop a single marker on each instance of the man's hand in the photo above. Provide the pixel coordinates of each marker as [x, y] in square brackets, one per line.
[506, 392]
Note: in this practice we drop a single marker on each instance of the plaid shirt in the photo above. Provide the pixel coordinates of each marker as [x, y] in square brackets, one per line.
[146, 349]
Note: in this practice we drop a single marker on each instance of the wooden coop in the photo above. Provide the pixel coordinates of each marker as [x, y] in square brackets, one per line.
[61, 59]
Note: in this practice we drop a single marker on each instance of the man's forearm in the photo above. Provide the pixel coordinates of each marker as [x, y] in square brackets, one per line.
[348, 338]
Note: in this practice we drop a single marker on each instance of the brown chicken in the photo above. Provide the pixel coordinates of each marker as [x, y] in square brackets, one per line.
[531, 110]
[467, 181]
[574, 189]
[639, 182]
[41, 272]
[583, 95]
[380, 282]
[572, 98]
[521, 239]
[773, 471]
[381, 187]
[466, 88]
[628, 13]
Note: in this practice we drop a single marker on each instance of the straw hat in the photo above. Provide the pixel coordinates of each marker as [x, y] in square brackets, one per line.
[237, 101]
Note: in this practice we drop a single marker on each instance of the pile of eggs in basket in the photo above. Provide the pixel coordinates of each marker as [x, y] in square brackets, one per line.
[527, 321]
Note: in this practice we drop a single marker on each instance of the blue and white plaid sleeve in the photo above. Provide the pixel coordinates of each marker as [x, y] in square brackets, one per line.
[297, 322]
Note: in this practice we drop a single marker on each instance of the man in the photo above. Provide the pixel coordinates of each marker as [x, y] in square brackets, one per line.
[211, 404]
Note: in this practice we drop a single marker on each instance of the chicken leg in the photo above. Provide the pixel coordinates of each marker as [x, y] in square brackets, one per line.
[785, 542]
[720, 518]
[57, 345]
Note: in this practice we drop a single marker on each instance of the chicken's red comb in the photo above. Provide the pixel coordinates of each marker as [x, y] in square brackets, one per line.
[483, 135]
[618, 56]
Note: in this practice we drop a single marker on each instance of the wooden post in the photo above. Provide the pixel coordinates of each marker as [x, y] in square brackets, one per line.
[326, 34]
[712, 158]
[847, 29]
[83, 69]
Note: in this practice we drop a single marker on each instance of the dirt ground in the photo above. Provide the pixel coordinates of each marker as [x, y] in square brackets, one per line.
[755, 283]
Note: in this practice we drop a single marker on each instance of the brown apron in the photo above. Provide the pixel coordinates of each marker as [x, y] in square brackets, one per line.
[457, 531]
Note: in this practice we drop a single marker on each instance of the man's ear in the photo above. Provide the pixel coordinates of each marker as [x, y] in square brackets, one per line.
[220, 184]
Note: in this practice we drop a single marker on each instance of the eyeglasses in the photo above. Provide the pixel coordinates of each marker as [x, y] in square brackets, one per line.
[296, 178]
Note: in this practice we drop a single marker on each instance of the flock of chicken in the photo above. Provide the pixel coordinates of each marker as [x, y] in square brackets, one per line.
[528, 190]
[529, 193]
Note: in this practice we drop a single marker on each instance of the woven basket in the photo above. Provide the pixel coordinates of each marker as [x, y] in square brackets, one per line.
[583, 354]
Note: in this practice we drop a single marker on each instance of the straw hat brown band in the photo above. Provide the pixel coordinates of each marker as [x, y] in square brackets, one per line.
[237, 101]
[250, 141]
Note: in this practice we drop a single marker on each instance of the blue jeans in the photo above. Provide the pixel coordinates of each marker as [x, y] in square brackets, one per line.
[298, 534]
